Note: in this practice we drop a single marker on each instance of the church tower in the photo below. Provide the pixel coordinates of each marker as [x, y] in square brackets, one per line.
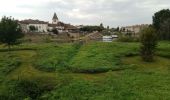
[55, 19]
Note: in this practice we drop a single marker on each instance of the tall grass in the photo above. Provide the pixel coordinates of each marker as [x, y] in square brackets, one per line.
[8, 62]
[101, 57]
[55, 57]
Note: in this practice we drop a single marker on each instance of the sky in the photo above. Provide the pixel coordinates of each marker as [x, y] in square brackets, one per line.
[111, 13]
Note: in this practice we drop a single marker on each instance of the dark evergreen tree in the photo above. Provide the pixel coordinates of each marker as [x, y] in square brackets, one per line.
[159, 18]
[165, 29]
[10, 31]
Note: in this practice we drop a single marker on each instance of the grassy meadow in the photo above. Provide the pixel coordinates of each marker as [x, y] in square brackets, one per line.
[93, 71]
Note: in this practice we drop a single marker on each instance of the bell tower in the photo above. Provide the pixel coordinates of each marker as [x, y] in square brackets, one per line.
[55, 19]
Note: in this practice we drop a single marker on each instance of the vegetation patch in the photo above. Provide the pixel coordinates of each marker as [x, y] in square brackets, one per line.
[101, 57]
[8, 62]
[55, 57]
[126, 75]
[164, 49]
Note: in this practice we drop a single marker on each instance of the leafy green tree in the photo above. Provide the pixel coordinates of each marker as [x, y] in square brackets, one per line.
[159, 18]
[165, 29]
[10, 31]
[148, 39]
[32, 28]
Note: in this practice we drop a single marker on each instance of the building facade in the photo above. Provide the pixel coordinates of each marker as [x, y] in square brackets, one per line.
[34, 26]
[134, 30]
[43, 27]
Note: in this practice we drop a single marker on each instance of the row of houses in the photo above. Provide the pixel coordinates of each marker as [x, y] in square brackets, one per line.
[45, 27]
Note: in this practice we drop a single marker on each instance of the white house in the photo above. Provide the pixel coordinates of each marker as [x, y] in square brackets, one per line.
[40, 26]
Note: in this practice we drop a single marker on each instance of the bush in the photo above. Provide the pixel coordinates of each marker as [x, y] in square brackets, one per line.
[148, 44]
[21, 90]
[28, 88]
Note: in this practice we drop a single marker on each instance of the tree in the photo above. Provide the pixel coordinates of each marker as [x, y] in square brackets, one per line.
[91, 28]
[165, 29]
[10, 31]
[32, 28]
[101, 25]
[55, 31]
[108, 27]
[159, 18]
[117, 29]
[148, 41]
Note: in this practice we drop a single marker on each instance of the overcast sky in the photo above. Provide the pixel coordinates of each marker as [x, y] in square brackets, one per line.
[92, 12]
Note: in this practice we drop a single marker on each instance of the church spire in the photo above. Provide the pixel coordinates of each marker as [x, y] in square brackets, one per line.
[55, 19]
[55, 16]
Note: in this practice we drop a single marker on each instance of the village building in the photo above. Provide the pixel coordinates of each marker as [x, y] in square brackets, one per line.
[46, 27]
[40, 26]
[134, 30]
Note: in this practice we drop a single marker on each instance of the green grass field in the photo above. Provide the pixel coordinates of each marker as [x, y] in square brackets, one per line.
[94, 71]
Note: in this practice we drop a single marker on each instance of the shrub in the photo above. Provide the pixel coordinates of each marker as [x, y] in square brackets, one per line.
[148, 44]
[28, 88]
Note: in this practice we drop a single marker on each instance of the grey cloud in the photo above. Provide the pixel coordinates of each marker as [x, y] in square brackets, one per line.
[110, 12]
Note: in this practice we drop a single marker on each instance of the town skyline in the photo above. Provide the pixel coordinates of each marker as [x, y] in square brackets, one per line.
[111, 13]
